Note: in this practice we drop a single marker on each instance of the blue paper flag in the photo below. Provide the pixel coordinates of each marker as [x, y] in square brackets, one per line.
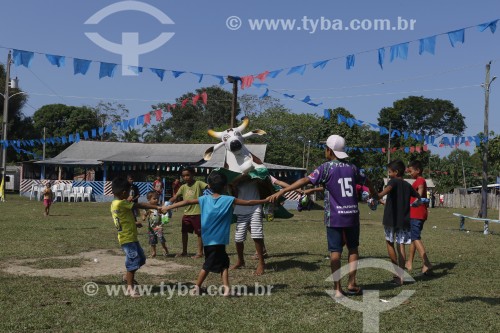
[56, 60]
[297, 69]
[22, 57]
[457, 36]
[106, 69]
[320, 64]
[135, 69]
[140, 120]
[492, 25]
[94, 133]
[381, 56]
[427, 45]
[275, 73]
[176, 74]
[399, 51]
[81, 66]
[349, 61]
[326, 114]
[200, 76]
[289, 96]
[159, 72]
[85, 135]
[265, 94]
[306, 99]
[220, 78]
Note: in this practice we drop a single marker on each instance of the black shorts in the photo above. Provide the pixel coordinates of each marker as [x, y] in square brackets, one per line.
[338, 237]
[216, 258]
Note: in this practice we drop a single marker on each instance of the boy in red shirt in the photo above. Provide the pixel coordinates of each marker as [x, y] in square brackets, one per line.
[418, 215]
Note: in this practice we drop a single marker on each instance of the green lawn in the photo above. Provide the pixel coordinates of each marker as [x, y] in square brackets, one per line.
[463, 295]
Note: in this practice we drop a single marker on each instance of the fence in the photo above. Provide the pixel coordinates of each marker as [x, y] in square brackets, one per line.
[473, 200]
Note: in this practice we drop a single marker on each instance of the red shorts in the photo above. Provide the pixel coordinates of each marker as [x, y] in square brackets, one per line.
[47, 202]
[191, 223]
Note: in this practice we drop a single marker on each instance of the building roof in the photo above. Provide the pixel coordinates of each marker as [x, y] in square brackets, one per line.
[88, 153]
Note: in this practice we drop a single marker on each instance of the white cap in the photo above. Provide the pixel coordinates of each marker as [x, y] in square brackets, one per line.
[337, 144]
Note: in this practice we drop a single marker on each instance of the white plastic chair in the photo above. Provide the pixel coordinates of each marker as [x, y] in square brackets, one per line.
[79, 193]
[67, 192]
[73, 194]
[34, 191]
[88, 193]
[54, 193]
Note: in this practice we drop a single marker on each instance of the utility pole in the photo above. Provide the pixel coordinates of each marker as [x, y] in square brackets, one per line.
[389, 150]
[308, 151]
[5, 119]
[484, 192]
[44, 132]
[234, 80]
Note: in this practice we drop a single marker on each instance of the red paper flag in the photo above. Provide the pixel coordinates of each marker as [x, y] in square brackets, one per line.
[426, 148]
[262, 76]
[417, 148]
[147, 118]
[168, 107]
[412, 149]
[195, 99]
[383, 150]
[204, 97]
[158, 115]
[246, 81]
[467, 143]
[184, 102]
[173, 106]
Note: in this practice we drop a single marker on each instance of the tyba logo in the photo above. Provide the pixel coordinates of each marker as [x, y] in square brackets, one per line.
[130, 49]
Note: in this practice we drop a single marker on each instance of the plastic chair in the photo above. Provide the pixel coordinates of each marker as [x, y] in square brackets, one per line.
[87, 193]
[73, 194]
[79, 193]
[34, 191]
[67, 191]
[55, 193]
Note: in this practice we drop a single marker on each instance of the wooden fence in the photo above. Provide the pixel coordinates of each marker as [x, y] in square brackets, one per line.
[473, 200]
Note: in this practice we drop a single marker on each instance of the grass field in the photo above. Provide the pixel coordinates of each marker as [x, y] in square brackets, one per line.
[462, 296]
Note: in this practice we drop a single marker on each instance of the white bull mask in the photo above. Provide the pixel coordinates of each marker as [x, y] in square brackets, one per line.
[238, 157]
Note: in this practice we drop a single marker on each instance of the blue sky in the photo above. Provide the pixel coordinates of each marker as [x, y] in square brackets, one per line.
[202, 43]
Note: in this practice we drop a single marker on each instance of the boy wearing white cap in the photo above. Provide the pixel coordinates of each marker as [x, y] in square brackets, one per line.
[339, 180]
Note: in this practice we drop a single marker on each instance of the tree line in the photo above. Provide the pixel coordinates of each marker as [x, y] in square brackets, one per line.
[293, 139]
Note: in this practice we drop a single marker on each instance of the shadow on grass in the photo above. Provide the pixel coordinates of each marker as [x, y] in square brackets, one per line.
[438, 271]
[292, 263]
[488, 300]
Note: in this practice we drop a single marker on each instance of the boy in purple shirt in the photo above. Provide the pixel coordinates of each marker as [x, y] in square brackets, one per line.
[339, 180]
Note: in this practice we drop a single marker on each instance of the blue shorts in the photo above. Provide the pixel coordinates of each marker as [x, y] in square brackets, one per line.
[134, 256]
[337, 237]
[416, 229]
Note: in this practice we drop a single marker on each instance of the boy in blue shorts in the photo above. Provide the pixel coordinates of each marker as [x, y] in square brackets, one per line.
[124, 219]
[216, 216]
[339, 180]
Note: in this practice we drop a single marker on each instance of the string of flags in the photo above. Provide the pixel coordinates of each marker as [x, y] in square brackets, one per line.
[452, 141]
[123, 125]
[397, 51]
[106, 69]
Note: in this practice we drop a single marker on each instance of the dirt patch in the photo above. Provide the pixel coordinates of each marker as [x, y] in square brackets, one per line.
[94, 263]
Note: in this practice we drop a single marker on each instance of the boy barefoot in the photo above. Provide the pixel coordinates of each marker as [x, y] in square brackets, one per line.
[216, 215]
[155, 227]
[124, 219]
[338, 179]
[397, 216]
[418, 215]
[47, 199]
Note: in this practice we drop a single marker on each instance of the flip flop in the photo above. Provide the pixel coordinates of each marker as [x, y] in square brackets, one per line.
[355, 291]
